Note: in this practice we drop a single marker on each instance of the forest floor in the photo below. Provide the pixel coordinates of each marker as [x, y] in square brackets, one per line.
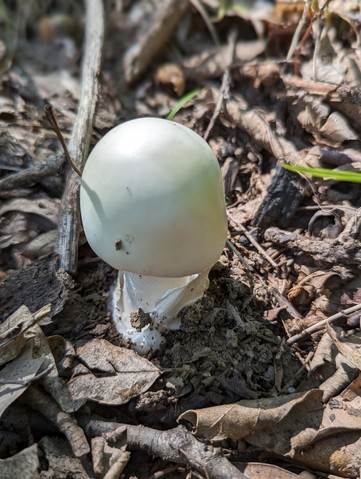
[263, 378]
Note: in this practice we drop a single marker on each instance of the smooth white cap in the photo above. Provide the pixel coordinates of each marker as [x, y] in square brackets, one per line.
[152, 200]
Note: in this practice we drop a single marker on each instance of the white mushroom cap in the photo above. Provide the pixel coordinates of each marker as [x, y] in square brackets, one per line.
[152, 200]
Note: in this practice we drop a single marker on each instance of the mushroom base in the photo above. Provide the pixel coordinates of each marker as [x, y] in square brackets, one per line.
[144, 306]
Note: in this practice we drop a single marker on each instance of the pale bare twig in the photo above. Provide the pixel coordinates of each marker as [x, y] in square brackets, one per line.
[297, 34]
[253, 241]
[321, 324]
[226, 81]
[180, 446]
[243, 260]
[32, 175]
[78, 146]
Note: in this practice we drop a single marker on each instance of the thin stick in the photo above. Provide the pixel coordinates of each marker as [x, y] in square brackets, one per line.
[243, 260]
[253, 241]
[226, 82]
[322, 324]
[78, 146]
[50, 116]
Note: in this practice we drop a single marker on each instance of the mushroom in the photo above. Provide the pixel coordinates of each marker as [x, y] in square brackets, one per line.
[152, 205]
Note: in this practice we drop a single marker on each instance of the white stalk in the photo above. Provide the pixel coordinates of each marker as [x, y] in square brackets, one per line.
[161, 298]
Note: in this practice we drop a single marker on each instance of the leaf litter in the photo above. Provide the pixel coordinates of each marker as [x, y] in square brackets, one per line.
[264, 375]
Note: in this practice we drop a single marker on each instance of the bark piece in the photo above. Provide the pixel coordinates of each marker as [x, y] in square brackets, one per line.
[281, 201]
[33, 287]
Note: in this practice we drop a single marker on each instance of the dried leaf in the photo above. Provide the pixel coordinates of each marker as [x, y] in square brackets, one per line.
[25, 464]
[46, 207]
[16, 330]
[337, 130]
[53, 383]
[248, 417]
[350, 348]
[113, 375]
[23, 368]
[298, 426]
[41, 246]
[256, 470]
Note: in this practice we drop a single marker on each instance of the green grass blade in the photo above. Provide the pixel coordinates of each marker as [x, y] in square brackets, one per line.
[339, 175]
[181, 102]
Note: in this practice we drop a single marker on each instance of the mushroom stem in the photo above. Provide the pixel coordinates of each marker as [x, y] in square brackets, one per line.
[144, 306]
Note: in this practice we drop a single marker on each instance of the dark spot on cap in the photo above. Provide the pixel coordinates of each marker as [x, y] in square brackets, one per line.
[118, 244]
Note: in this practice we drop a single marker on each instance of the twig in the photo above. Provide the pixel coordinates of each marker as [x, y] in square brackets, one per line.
[50, 116]
[119, 462]
[226, 81]
[253, 241]
[32, 175]
[322, 324]
[282, 301]
[297, 34]
[179, 446]
[78, 146]
[243, 260]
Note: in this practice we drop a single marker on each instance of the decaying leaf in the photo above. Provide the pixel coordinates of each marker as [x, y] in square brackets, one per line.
[25, 464]
[110, 374]
[53, 383]
[246, 418]
[65, 422]
[350, 348]
[16, 330]
[298, 426]
[60, 458]
[256, 470]
[22, 369]
[45, 207]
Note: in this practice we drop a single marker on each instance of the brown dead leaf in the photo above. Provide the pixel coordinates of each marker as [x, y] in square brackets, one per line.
[16, 330]
[324, 354]
[172, 75]
[46, 207]
[53, 383]
[23, 368]
[256, 470]
[246, 418]
[349, 348]
[338, 454]
[110, 374]
[41, 246]
[298, 426]
[24, 464]
[353, 390]
[337, 130]
[61, 460]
